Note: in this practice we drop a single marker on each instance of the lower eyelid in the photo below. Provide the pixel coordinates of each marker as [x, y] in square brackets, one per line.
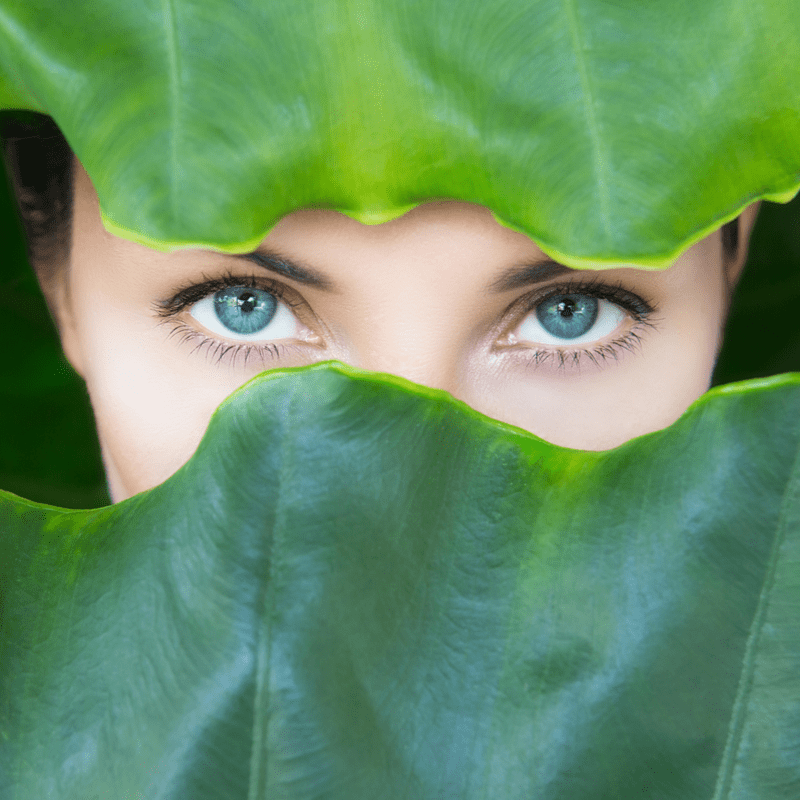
[231, 351]
[601, 353]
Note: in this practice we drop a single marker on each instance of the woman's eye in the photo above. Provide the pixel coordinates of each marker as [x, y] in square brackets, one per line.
[245, 313]
[570, 319]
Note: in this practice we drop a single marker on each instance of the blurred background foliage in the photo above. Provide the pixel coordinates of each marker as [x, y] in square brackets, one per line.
[763, 336]
[48, 447]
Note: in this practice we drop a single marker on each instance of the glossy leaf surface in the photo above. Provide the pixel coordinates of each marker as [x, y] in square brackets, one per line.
[608, 132]
[359, 588]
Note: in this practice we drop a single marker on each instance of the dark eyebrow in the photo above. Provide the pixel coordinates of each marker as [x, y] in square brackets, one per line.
[517, 277]
[287, 268]
[514, 278]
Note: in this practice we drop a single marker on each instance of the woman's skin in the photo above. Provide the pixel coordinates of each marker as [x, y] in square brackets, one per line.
[418, 296]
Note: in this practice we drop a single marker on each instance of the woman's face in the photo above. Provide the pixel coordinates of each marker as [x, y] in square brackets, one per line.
[443, 296]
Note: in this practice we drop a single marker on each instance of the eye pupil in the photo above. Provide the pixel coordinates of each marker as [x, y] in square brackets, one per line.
[247, 302]
[565, 309]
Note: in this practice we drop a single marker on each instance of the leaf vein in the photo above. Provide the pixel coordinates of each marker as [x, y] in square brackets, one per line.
[743, 693]
[171, 40]
[599, 160]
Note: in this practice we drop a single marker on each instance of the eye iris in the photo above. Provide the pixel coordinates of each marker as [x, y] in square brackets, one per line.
[244, 310]
[568, 315]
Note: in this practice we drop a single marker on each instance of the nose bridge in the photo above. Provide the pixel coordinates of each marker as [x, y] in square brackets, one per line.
[417, 338]
[420, 355]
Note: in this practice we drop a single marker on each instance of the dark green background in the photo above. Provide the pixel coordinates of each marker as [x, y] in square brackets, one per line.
[48, 448]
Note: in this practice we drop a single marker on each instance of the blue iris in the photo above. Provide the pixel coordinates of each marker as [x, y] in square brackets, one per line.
[568, 316]
[244, 310]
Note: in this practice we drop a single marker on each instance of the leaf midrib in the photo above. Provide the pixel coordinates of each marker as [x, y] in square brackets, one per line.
[173, 67]
[599, 159]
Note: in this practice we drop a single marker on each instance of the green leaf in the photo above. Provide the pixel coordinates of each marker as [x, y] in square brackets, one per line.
[610, 133]
[359, 588]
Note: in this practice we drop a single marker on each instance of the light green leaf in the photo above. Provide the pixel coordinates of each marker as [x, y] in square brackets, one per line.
[359, 588]
[611, 133]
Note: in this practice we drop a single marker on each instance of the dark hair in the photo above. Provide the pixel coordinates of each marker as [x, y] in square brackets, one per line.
[40, 166]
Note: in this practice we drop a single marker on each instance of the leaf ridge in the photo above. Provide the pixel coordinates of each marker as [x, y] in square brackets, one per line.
[266, 711]
[173, 67]
[740, 707]
[260, 735]
[599, 161]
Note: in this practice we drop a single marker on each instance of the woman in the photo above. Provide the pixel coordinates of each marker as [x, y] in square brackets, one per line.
[443, 296]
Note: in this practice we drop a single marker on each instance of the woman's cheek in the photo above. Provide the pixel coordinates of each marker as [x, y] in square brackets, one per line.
[152, 407]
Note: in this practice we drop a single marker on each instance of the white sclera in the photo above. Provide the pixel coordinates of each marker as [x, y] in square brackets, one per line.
[283, 325]
[609, 317]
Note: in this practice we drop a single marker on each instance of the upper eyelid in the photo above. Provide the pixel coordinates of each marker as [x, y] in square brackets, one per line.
[195, 292]
[637, 305]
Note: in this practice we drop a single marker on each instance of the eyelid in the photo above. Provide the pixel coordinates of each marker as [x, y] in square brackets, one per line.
[192, 293]
[640, 309]
[636, 305]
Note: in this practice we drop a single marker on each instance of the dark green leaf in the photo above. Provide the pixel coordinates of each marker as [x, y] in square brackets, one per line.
[359, 588]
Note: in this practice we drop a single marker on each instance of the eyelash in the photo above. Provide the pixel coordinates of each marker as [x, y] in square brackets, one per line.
[639, 308]
[215, 348]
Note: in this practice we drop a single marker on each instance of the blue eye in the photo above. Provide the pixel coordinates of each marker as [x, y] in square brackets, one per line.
[568, 316]
[573, 318]
[244, 310]
[245, 313]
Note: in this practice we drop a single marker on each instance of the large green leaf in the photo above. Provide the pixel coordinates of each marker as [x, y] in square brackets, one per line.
[608, 132]
[359, 588]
